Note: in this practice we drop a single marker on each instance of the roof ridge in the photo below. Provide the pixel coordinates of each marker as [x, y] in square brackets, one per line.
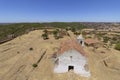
[71, 44]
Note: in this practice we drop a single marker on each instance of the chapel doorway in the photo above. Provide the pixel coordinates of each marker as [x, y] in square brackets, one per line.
[70, 68]
[81, 42]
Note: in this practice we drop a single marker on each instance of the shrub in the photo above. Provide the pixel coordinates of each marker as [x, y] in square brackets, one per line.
[117, 46]
[67, 29]
[89, 37]
[18, 52]
[31, 49]
[77, 33]
[105, 39]
[45, 31]
[73, 29]
[34, 65]
[55, 33]
[45, 36]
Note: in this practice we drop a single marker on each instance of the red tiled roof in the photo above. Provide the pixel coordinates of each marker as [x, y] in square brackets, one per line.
[71, 44]
[91, 41]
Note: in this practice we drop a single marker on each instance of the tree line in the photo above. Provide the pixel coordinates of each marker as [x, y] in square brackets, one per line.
[9, 31]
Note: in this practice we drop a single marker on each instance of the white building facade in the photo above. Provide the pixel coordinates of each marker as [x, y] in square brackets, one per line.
[71, 60]
[80, 39]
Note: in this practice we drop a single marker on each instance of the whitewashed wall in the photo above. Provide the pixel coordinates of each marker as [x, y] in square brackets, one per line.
[78, 61]
[79, 39]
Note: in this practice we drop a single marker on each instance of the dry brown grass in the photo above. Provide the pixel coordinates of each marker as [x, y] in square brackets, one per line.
[18, 66]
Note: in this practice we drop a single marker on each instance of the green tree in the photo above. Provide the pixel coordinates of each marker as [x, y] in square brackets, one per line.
[45, 36]
[73, 29]
[55, 33]
[66, 29]
[105, 39]
[117, 46]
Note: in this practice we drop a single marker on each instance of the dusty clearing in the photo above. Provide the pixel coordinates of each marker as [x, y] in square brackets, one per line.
[16, 60]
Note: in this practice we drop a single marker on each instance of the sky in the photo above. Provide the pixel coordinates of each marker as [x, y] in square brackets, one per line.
[59, 11]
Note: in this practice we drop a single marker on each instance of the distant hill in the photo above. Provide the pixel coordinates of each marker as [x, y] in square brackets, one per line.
[12, 30]
[9, 31]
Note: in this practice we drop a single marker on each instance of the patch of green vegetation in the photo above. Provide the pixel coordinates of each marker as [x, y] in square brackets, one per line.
[45, 36]
[18, 29]
[34, 65]
[117, 46]
[77, 33]
[73, 29]
[106, 39]
[56, 34]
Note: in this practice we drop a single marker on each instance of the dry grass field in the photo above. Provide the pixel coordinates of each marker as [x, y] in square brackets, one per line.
[16, 60]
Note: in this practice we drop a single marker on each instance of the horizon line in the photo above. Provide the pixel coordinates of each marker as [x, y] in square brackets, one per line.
[63, 22]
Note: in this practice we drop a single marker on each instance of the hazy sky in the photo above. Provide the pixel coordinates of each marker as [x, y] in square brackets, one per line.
[59, 10]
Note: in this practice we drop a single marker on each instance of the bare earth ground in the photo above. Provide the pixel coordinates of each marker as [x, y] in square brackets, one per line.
[16, 60]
